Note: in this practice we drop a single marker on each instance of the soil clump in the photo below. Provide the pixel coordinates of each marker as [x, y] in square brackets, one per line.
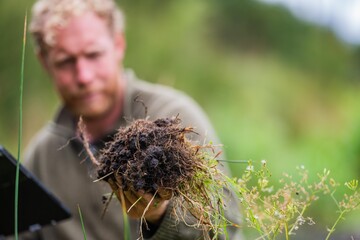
[148, 155]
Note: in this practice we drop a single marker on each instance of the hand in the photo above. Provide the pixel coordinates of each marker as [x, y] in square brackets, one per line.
[140, 204]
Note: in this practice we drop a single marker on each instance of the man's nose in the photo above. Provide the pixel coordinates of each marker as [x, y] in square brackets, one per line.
[84, 71]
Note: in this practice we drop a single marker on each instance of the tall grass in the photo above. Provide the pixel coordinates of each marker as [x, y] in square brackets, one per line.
[82, 222]
[16, 199]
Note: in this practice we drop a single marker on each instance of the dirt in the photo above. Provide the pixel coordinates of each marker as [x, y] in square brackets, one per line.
[148, 155]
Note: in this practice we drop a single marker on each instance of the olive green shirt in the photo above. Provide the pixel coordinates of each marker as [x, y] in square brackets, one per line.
[56, 157]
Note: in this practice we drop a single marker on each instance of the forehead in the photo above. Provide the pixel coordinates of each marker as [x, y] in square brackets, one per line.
[81, 31]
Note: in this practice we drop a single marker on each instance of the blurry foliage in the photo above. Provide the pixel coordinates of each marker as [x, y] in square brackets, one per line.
[39, 98]
[274, 87]
[253, 26]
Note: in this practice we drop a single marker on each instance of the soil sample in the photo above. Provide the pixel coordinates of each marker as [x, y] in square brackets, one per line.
[156, 157]
[150, 154]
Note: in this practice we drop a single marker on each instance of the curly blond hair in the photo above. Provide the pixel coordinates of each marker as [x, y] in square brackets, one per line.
[49, 15]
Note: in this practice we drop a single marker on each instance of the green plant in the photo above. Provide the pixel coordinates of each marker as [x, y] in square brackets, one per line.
[16, 198]
[82, 222]
[348, 203]
[283, 210]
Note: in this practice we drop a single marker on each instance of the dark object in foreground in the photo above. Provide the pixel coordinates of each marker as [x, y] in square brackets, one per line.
[37, 205]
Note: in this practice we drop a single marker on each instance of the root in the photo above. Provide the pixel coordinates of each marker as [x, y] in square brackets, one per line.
[134, 204]
[107, 205]
[142, 219]
[82, 130]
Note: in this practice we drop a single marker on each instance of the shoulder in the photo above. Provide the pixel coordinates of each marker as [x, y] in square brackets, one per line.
[161, 97]
[164, 101]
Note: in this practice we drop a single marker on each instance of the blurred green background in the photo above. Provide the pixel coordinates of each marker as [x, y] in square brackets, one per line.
[274, 87]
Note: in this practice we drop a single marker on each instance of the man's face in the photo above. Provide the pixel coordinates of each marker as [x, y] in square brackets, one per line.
[84, 64]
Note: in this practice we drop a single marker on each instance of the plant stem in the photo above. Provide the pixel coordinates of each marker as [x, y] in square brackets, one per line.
[16, 199]
[125, 217]
[82, 222]
[336, 222]
[286, 231]
[300, 215]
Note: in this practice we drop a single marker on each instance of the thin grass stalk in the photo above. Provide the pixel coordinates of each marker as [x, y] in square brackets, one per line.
[127, 235]
[16, 199]
[286, 231]
[82, 222]
[300, 215]
[334, 225]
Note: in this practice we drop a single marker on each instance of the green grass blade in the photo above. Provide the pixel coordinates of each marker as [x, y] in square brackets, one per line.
[82, 222]
[127, 234]
[16, 200]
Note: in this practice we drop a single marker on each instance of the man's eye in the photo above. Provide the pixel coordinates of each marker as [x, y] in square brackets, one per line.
[65, 62]
[93, 55]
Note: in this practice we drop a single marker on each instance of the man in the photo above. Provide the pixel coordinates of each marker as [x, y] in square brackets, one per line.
[81, 45]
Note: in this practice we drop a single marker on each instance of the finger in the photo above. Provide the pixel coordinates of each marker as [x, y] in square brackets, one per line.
[165, 193]
[142, 201]
[135, 204]
[140, 204]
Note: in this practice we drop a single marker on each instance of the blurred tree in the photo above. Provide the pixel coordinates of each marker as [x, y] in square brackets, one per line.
[250, 25]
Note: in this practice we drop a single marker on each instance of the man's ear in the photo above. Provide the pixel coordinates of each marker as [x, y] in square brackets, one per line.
[120, 45]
